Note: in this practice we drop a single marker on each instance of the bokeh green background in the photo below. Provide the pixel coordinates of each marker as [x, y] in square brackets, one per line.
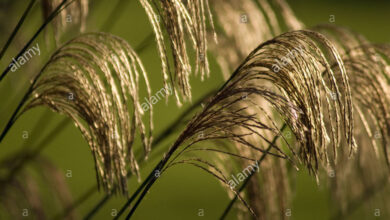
[183, 191]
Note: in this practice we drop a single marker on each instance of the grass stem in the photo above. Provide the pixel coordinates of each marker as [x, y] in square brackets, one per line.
[246, 181]
[17, 28]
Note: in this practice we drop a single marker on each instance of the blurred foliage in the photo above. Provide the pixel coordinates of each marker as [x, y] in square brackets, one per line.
[184, 192]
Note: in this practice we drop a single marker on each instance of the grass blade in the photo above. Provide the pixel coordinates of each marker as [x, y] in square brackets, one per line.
[49, 19]
[15, 31]
[246, 181]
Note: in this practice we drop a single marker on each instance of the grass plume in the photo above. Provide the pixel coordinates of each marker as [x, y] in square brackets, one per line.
[97, 85]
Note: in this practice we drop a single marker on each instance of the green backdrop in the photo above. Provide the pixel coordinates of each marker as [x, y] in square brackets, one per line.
[184, 191]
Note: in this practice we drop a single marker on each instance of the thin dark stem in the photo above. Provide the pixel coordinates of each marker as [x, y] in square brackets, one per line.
[147, 183]
[141, 47]
[14, 116]
[93, 189]
[141, 197]
[145, 42]
[108, 196]
[172, 127]
[162, 163]
[97, 207]
[11, 121]
[16, 29]
[246, 181]
[47, 21]
[78, 202]
[156, 142]
[165, 160]
[179, 119]
[151, 178]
